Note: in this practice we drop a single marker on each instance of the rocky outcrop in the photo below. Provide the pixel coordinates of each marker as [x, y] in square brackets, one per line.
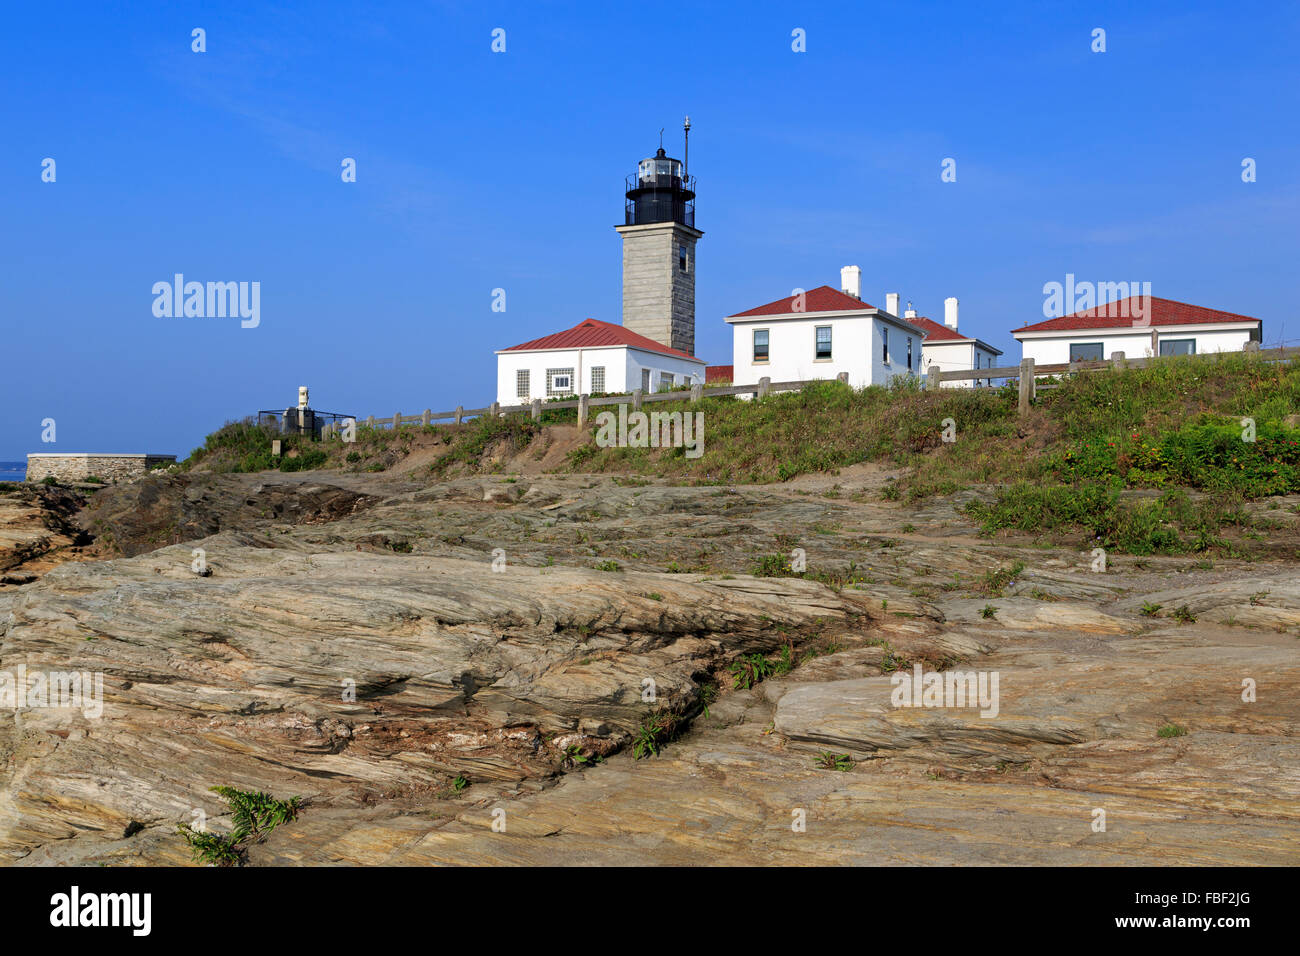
[366, 639]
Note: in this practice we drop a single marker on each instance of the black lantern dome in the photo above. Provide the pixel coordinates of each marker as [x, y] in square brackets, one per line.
[660, 191]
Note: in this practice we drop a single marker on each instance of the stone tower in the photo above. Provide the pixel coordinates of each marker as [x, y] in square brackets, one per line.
[659, 237]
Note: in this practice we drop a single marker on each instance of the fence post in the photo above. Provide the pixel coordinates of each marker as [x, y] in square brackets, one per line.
[764, 384]
[582, 409]
[428, 416]
[370, 421]
[636, 399]
[1117, 361]
[494, 410]
[932, 379]
[697, 393]
[460, 414]
[842, 378]
[1026, 385]
[397, 421]
[1251, 347]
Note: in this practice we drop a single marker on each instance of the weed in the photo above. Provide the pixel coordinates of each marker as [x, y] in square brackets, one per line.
[829, 760]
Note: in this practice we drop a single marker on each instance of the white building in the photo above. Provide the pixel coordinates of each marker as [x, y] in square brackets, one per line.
[821, 333]
[652, 349]
[1138, 327]
[592, 357]
[951, 351]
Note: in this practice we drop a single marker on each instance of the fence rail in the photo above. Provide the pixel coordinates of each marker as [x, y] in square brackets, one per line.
[1025, 375]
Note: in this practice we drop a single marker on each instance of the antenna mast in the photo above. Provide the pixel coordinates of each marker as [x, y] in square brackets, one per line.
[686, 158]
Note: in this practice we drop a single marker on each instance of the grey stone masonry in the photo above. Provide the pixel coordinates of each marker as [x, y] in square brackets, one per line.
[658, 295]
[79, 467]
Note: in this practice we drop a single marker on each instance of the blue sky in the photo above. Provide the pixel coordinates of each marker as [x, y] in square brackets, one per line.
[478, 170]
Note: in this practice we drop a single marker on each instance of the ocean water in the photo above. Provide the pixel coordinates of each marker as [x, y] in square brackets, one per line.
[13, 470]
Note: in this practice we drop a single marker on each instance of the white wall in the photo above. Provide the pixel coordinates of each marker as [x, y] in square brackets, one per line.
[683, 371]
[856, 348]
[1134, 344]
[622, 370]
[959, 356]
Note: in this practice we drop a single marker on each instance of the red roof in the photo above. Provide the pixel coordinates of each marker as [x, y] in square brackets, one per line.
[935, 332]
[719, 373]
[593, 332]
[1122, 313]
[821, 299]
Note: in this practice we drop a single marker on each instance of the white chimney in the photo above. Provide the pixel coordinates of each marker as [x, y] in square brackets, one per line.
[302, 396]
[891, 302]
[851, 281]
[950, 312]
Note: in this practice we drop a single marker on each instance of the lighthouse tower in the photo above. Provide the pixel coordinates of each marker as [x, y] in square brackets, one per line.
[659, 237]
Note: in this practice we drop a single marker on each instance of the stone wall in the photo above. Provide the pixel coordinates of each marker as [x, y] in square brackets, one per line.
[658, 297]
[79, 467]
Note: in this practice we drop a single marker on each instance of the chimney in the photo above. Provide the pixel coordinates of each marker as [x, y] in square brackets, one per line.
[950, 312]
[891, 302]
[851, 281]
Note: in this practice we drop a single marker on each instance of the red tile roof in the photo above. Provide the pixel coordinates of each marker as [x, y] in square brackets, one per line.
[821, 299]
[719, 373]
[593, 332]
[936, 332]
[1121, 314]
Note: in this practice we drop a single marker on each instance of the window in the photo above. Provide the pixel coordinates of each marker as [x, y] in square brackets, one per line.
[681, 257]
[597, 378]
[760, 345]
[521, 383]
[1178, 347]
[1257, 334]
[645, 380]
[884, 341]
[909, 353]
[1085, 352]
[823, 342]
[559, 381]
[665, 381]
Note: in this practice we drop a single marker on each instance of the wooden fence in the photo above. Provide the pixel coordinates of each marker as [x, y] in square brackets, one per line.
[1025, 375]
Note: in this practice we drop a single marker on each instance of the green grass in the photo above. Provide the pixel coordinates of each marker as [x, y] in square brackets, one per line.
[1172, 523]
[1171, 730]
[246, 446]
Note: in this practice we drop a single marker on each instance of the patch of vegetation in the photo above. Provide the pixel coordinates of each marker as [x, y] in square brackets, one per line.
[1150, 609]
[253, 816]
[470, 445]
[1169, 524]
[1171, 730]
[750, 670]
[1184, 615]
[655, 730]
[608, 566]
[995, 582]
[829, 760]
[987, 611]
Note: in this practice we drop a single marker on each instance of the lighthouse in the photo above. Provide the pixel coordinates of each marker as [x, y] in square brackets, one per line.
[659, 237]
